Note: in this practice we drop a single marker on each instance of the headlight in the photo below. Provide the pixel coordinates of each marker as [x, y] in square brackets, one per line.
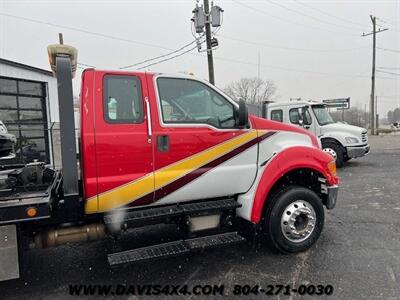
[351, 140]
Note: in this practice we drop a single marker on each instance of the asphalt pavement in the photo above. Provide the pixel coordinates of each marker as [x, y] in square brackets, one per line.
[358, 253]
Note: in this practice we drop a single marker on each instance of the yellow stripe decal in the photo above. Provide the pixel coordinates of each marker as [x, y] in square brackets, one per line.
[131, 191]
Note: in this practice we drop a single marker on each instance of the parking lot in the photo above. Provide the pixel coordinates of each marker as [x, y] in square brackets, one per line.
[358, 252]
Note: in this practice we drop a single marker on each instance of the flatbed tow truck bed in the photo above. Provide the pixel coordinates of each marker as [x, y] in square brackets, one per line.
[24, 202]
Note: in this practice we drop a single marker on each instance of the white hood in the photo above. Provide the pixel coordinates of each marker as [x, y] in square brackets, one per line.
[354, 130]
[341, 131]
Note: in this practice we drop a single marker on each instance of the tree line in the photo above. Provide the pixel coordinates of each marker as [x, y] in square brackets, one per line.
[393, 115]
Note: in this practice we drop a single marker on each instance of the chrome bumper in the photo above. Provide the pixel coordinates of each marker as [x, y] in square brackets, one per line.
[358, 151]
[332, 196]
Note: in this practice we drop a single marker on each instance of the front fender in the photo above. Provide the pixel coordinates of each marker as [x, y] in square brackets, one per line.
[337, 136]
[299, 157]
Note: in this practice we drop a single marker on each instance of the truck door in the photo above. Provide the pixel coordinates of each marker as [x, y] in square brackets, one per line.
[302, 113]
[199, 152]
[123, 150]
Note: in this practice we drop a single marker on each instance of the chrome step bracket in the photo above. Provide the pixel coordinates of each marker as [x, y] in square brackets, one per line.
[155, 213]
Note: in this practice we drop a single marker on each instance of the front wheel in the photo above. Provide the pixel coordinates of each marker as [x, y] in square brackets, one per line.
[294, 219]
[336, 151]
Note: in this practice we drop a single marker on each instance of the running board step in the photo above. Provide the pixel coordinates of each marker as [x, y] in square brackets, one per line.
[174, 248]
[156, 213]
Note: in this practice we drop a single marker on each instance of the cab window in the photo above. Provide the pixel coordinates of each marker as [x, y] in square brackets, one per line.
[294, 116]
[187, 101]
[122, 99]
[277, 115]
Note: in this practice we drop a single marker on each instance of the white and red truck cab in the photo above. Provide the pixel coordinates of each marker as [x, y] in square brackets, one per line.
[158, 148]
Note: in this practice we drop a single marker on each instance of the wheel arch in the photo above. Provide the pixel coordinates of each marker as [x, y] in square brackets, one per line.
[302, 177]
[300, 165]
[332, 140]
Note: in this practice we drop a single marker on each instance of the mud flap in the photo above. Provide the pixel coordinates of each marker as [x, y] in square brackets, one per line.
[332, 196]
[9, 264]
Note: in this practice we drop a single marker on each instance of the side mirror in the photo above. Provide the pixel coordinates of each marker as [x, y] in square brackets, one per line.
[303, 121]
[301, 116]
[243, 114]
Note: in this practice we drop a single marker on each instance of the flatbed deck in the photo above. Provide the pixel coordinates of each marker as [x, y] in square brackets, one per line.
[14, 205]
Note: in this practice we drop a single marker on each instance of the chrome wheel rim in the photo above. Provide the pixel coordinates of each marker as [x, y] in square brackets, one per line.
[331, 152]
[298, 221]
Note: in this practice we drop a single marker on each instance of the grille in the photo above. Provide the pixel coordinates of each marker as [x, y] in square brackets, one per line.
[364, 137]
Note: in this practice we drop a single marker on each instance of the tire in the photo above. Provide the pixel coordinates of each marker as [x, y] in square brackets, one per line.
[274, 219]
[337, 149]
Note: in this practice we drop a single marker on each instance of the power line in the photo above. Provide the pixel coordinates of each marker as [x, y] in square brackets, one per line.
[286, 69]
[385, 21]
[390, 50]
[309, 16]
[86, 65]
[391, 96]
[389, 68]
[286, 20]
[390, 23]
[105, 36]
[382, 77]
[87, 32]
[291, 48]
[160, 56]
[327, 14]
[391, 73]
[167, 59]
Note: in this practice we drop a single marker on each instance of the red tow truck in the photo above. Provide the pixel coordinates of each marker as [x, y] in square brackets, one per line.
[155, 149]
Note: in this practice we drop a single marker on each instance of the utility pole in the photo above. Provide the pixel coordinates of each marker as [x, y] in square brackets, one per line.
[208, 42]
[372, 97]
[373, 19]
[204, 17]
[365, 115]
[376, 114]
[258, 69]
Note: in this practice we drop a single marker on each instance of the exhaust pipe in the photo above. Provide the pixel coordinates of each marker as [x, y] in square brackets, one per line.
[59, 236]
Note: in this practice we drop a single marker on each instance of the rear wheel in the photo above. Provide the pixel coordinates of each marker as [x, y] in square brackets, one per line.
[294, 219]
[336, 150]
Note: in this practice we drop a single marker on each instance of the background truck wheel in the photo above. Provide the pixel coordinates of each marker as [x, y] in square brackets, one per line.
[294, 219]
[336, 151]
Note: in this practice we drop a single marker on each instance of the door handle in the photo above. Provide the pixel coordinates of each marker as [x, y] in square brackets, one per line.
[148, 116]
[163, 143]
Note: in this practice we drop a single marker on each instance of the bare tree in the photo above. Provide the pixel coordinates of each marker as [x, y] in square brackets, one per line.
[253, 90]
[353, 116]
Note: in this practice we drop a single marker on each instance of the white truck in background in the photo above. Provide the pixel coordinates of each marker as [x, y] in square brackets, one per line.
[342, 141]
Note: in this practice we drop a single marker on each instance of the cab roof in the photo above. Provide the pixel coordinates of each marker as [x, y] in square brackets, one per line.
[295, 103]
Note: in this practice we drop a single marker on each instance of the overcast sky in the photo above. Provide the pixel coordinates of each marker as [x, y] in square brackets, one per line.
[310, 49]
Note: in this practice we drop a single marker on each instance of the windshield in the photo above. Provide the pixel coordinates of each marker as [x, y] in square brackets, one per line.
[322, 115]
